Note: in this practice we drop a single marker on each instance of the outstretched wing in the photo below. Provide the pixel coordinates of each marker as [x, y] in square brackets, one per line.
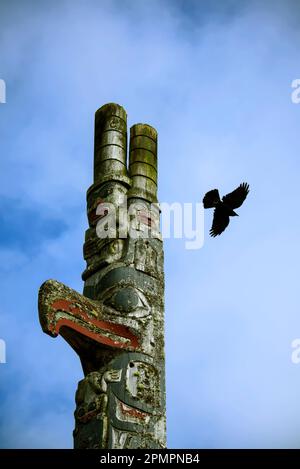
[237, 197]
[211, 198]
[220, 222]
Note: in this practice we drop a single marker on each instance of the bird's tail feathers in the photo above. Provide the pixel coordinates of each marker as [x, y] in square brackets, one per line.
[211, 198]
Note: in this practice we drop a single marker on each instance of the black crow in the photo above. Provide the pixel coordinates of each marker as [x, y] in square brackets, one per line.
[224, 208]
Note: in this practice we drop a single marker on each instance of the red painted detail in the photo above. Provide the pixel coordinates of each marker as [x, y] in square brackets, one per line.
[97, 336]
[99, 200]
[102, 212]
[93, 216]
[88, 416]
[118, 329]
[132, 412]
[145, 218]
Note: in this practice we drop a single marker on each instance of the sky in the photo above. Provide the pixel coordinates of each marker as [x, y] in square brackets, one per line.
[214, 78]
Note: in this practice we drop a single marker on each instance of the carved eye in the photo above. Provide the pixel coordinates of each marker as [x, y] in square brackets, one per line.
[128, 300]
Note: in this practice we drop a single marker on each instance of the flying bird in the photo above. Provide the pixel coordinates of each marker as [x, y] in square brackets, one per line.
[224, 208]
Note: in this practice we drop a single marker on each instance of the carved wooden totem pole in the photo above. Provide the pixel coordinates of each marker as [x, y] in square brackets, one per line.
[117, 325]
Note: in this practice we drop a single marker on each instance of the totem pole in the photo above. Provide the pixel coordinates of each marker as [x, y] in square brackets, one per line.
[117, 325]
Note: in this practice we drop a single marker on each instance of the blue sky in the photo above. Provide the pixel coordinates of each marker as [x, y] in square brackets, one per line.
[215, 79]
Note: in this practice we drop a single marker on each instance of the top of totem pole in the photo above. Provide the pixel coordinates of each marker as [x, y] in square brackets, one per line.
[110, 153]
